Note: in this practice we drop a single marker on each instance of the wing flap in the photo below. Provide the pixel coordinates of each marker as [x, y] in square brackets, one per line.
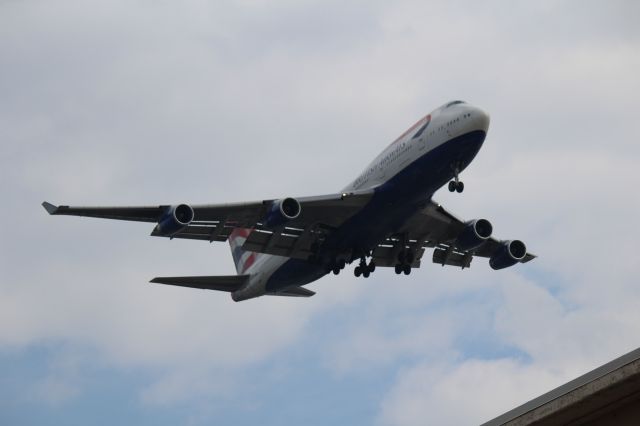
[386, 256]
[288, 242]
[199, 231]
[229, 283]
[449, 257]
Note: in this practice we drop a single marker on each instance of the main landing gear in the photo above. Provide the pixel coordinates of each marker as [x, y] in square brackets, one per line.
[334, 265]
[364, 269]
[456, 185]
[405, 259]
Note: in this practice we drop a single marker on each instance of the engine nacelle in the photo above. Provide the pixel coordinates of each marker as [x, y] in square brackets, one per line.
[175, 219]
[509, 253]
[474, 234]
[281, 212]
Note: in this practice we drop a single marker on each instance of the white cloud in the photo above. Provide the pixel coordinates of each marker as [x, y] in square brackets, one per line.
[463, 394]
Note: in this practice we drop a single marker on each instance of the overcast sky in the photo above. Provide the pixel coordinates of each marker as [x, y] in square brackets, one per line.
[143, 102]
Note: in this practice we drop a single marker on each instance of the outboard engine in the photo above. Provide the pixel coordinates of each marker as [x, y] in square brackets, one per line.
[174, 220]
[509, 253]
[281, 212]
[474, 234]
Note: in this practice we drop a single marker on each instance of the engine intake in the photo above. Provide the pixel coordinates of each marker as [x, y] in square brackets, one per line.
[281, 212]
[474, 234]
[509, 253]
[175, 219]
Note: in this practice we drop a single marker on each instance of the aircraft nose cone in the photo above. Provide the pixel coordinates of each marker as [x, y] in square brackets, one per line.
[480, 120]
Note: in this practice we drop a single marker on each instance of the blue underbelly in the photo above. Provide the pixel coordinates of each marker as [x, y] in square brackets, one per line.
[401, 196]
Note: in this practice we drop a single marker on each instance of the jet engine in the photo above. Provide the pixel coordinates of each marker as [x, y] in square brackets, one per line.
[509, 253]
[474, 234]
[282, 211]
[175, 219]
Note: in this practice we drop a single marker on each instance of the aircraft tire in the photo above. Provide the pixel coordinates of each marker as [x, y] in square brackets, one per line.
[398, 269]
[452, 186]
[406, 269]
[357, 272]
[365, 274]
[460, 187]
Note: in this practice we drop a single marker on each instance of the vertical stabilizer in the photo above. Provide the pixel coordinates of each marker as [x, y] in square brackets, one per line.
[243, 259]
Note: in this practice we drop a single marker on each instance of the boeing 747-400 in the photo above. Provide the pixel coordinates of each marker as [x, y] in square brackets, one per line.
[384, 218]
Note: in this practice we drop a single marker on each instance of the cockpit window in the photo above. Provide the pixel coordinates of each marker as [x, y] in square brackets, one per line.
[453, 103]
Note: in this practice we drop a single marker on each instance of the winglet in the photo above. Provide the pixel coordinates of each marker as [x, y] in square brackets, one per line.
[50, 208]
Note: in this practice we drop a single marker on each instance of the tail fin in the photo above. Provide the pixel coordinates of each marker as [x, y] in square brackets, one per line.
[242, 258]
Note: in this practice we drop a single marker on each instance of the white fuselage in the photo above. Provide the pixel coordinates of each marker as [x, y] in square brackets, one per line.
[445, 124]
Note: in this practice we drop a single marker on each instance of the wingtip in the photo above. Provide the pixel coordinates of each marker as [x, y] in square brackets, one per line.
[50, 208]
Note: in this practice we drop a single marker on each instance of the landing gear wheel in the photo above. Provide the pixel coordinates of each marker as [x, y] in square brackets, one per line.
[365, 274]
[372, 266]
[336, 270]
[452, 186]
[459, 187]
[398, 269]
[406, 269]
[357, 272]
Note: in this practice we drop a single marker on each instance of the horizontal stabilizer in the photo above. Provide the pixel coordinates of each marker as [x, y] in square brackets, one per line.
[228, 283]
[294, 292]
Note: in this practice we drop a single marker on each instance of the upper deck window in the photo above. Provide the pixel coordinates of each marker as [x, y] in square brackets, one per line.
[453, 103]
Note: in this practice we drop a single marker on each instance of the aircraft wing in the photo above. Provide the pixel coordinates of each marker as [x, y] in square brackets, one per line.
[435, 227]
[214, 222]
[431, 227]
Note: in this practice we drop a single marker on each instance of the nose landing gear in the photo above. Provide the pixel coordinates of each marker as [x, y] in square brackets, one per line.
[456, 185]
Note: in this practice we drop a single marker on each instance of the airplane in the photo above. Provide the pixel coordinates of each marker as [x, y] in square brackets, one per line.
[385, 215]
